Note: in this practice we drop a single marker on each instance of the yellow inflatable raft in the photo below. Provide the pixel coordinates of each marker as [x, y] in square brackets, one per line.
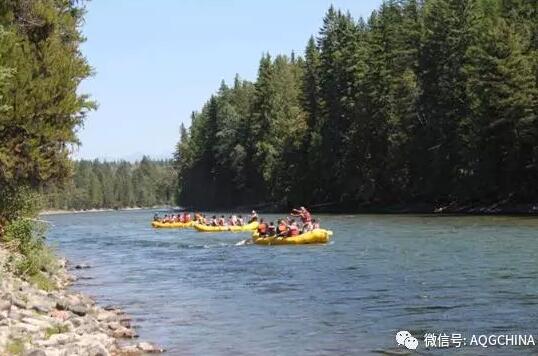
[205, 228]
[171, 225]
[317, 236]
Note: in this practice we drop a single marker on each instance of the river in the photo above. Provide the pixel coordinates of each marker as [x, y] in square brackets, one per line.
[202, 294]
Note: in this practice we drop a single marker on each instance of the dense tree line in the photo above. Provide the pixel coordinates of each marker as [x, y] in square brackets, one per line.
[97, 184]
[424, 102]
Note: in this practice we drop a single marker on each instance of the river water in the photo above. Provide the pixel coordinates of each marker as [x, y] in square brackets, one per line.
[202, 294]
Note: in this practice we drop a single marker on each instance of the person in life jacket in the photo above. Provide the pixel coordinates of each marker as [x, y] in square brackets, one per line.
[308, 226]
[282, 228]
[240, 221]
[233, 220]
[253, 216]
[188, 217]
[156, 217]
[303, 214]
[214, 221]
[293, 229]
[271, 229]
[262, 228]
[315, 224]
[222, 221]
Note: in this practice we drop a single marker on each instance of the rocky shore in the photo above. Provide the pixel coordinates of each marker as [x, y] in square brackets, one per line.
[60, 322]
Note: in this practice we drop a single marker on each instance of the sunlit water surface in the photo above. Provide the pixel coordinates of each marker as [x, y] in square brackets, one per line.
[201, 294]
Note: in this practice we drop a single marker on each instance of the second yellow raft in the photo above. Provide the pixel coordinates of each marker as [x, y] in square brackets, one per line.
[205, 228]
[171, 225]
[317, 236]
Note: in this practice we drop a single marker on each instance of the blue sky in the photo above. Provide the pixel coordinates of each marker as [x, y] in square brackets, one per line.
[157, 61]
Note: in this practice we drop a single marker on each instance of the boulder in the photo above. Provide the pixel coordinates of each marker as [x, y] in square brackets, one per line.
[79, 309]
[124, 333]
[5, 304]
[130, 350]
[82, 266]
[97, 350]
[59, 314]
[18, 301]
[114, 325]
[149, 348]
[73, 305]
[106, 316]
[40, 304]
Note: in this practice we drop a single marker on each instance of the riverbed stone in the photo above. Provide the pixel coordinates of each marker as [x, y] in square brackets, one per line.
[18, 301]
[130, 350]
[114, 325]
[86, 329]
[82, 266]
[59, 314]
[106, 316]
[37, 352]
[5, 304]
[124, 333]
[79, 309]
[149, 348]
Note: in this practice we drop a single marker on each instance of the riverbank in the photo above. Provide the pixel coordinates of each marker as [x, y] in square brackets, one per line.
[453, 208]
[84, 211]
[58, 321]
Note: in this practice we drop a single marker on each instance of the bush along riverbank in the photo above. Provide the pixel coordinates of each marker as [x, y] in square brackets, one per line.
[40, 316]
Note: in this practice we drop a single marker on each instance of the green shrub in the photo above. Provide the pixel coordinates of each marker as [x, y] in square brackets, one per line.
[57, 329]
[41, 281]
[18, 202]
[15, 347]
[26, 237]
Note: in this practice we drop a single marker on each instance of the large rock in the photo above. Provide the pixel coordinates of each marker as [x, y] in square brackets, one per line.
[130, 350]
[79, 309]
[58, 340]
[35, 353]
[43, 324]
[60, 314]
[106, 316]
[124, 333]
[149, 348]
[82, 266]
[41, 304]
[74, 306]
[18, 301]
[5, 304]
[97, 350]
